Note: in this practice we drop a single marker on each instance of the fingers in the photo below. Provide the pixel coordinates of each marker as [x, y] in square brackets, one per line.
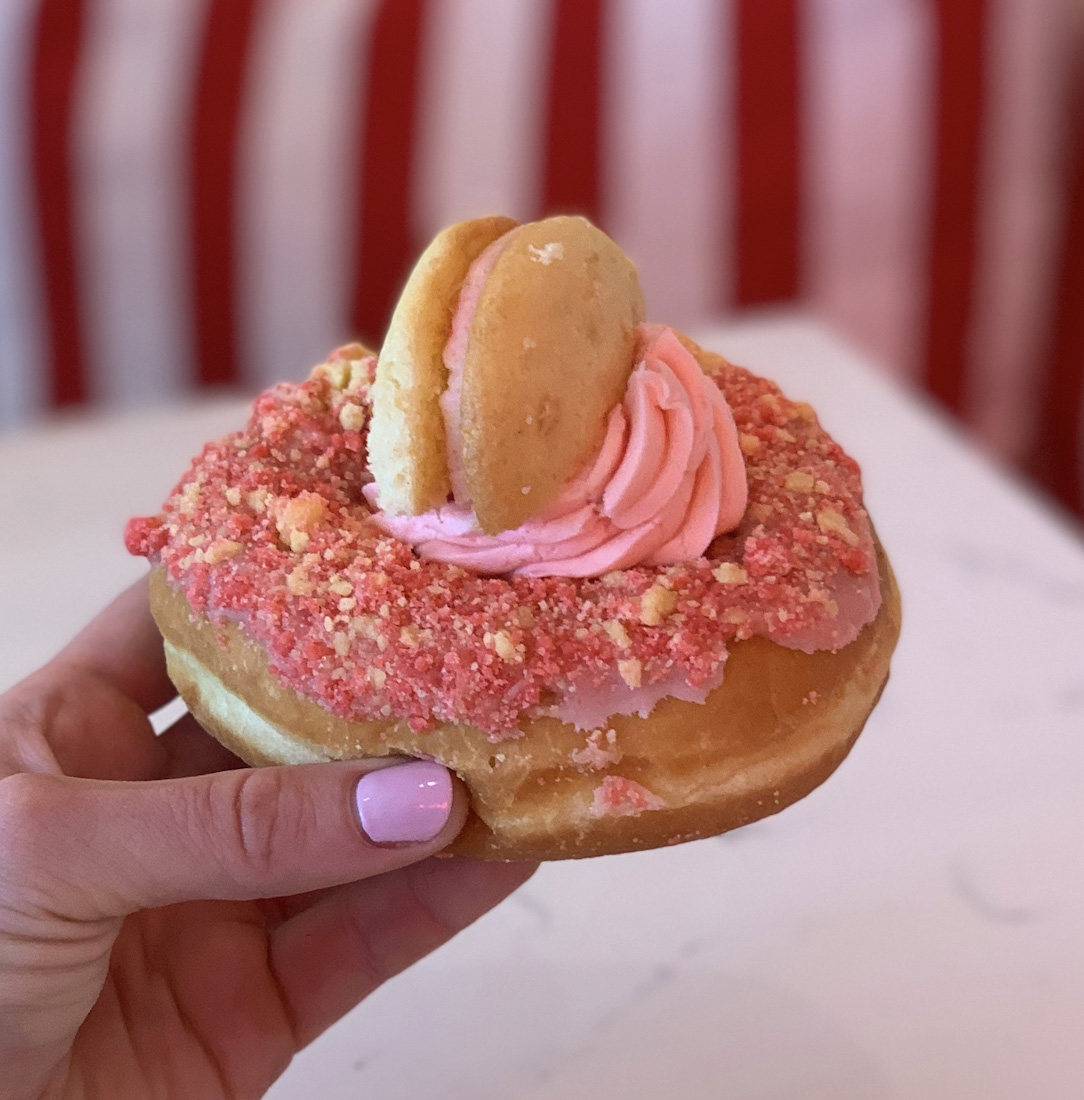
[122, 645]
[70, 720]
[97, 850]
[84, 713]
[334, 954]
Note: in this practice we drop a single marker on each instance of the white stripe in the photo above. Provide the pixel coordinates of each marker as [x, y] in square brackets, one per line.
[669, 150]
[482, 100]
[297, 170]
[133, 98]
[869, 125]
[23, 364]
[1015, 273]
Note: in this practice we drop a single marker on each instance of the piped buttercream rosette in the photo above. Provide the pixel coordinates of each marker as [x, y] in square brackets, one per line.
[668, 478]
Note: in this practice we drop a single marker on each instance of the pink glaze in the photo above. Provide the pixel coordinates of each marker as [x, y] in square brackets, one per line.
[668, 478]
[587, 705]
[857, 600]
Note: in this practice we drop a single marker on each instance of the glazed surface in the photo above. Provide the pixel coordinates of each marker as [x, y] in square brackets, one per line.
[269, 529]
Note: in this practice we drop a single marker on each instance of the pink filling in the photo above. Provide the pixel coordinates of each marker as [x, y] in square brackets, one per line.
[455, 352]
[668, 478]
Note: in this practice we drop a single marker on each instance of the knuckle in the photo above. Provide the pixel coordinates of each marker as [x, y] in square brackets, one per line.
[419, 927]
[30, 816]
[27, 799]
[267, 818]
[28, 713]
[372, 964]
[425, 881]
[41, 711]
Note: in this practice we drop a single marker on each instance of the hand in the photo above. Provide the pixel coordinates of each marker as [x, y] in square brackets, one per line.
[173, 924]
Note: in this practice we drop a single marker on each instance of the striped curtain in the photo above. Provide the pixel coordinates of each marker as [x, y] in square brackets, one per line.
[199, 192]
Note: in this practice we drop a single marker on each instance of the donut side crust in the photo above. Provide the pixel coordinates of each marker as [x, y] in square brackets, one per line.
[407, 443]
[777, 727]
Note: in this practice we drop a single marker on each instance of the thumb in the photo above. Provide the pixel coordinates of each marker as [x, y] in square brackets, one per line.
[92, 849]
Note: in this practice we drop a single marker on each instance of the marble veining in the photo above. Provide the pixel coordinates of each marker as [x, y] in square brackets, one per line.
[967, 888]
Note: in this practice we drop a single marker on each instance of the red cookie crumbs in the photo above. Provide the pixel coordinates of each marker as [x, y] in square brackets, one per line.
[269, 529]
[616, 796]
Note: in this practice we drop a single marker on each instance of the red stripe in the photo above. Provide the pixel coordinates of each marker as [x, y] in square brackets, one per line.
[217, 106]
[960, 90]
[1059, 446]
[58, 37]
[384, 245]
[767, 207]
[573, 146]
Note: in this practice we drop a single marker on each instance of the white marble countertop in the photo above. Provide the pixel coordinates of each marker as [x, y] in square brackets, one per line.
[913, 929]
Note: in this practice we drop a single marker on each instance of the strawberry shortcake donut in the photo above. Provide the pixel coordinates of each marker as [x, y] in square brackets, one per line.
[626, 590]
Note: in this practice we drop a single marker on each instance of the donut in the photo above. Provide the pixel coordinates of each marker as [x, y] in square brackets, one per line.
[626, 590]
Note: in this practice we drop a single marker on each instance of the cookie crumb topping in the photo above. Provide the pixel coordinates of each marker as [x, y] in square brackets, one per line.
[269, 529]
[656, 603]
[599, 752]
[617, 796]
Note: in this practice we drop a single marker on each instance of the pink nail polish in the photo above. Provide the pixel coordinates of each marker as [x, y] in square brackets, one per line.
[404, 804]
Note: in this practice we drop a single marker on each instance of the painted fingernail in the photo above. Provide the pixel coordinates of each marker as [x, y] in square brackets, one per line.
[406, 804]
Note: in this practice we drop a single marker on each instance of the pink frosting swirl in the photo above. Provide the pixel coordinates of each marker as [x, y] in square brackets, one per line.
[667, 479]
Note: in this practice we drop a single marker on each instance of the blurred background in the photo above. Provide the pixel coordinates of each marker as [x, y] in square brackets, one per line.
[214, 193]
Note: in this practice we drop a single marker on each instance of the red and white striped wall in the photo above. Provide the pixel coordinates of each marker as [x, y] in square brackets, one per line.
[196, 192]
